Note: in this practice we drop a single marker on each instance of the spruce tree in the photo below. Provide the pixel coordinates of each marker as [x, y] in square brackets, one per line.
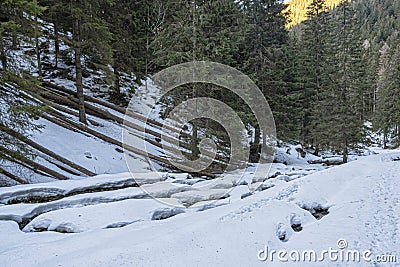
[91, 37]
[387, 114]
[18, 20]
[338, 123]
[131, 25]
[311, 67]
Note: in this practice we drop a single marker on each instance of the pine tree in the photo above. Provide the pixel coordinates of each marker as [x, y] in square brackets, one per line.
[90, 38]
[18, 23]
[18, 20]
[311, 67]
[287, 104]
[58, 13]
[17, 115]
[131, 25]
[262, 57]
[339, 106]
[387, 115]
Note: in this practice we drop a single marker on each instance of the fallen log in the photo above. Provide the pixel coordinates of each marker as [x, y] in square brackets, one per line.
[70, 125]
[36, 165]
[41, 100]
[56, 107]
[116, 108]
[95, 111]
[46, 151]
[90, 109]
[137, 151]
[12, 176]
[61, 123]
[326, 162]
[11, 159]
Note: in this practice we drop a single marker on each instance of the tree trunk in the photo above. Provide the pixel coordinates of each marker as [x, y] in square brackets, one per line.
[56, 44]
[345, 152]
[37, 48]
[316, 151]
[384, 140]
[78, 70]
[12, 176]
[35, 165]
[3, 56]
[117, 88]
[264, 146]
[255, 148]
[44, 150]
[14, 45]
[194, 143]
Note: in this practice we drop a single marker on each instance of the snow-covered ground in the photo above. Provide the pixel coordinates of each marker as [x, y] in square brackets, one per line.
[347, 210]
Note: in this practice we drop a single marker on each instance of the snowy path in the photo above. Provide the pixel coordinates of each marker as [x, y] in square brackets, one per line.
[383, 228]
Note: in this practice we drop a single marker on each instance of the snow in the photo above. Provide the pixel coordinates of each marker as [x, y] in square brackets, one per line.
[69, 187]
[361, 199]
[105, 215]
[191, 197]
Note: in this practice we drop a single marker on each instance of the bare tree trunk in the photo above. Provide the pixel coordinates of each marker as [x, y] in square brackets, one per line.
[14, 45]
[3, 56]
[36, 165]
[117, 88]
[37, 48]
[255, 147]
[264, 146]
[56, 43]
[45, 150]
[194, 143]
[78, 70]
[316, 151]
[345, 152]
[384, 140]
[12, 176]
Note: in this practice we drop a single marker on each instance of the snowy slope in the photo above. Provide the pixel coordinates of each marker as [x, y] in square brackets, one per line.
[357, 204]
[87, 151]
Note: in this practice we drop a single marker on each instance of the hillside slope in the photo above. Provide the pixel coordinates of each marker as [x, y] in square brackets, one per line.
[298, 10]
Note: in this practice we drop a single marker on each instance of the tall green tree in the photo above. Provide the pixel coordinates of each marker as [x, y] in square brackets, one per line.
[262, 57]
[387, 114]
[18, 22]
[311, 67]
[91, 37]
[339, 105]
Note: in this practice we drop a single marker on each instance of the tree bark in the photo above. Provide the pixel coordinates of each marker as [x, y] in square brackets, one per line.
[44, 150]
[194, 142]
[56, 44]
[37, 48]
[3, 56]
[36, 165]
[14, 45]
[255, 147]
[78, 70]
[119, 109]
[117, 87]
[345, 152]
[12, 176]
[384, 141]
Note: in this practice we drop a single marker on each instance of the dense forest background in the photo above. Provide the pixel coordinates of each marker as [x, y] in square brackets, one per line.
[324, 78]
